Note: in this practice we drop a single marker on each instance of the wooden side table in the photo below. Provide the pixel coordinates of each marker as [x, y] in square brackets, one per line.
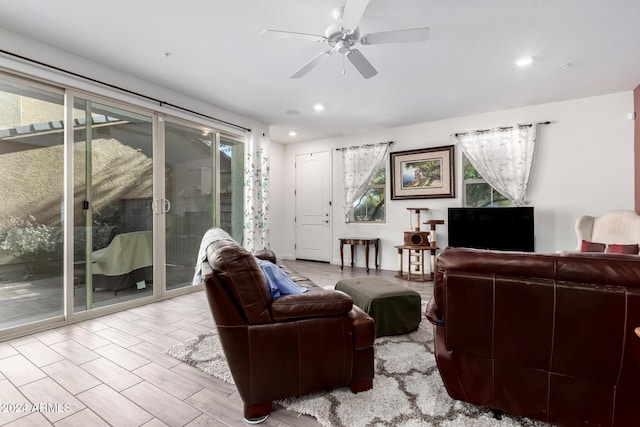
[354, 241]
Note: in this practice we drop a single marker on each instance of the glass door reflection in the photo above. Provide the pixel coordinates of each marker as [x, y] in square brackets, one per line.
[31, 216]
[204, 187]
[189, 188]
[113, 234]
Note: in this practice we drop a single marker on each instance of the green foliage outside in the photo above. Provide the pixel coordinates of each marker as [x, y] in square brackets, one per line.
[470, 172]
[370, 207]
[36, 245]
[480, 194]
[25, 236]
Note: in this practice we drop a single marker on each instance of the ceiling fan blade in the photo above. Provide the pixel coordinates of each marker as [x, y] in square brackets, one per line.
[398, 36]
[353, 11]
[275, 34]
[311, 64]
[362, 65]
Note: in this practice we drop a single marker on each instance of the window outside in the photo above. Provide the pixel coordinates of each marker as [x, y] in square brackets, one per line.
[477, 192]
[371, 206]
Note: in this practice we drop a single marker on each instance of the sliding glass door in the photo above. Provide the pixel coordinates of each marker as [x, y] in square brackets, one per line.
[189, 186]
[31, 194]
[203, 188]
[113, 177]
[230, 192]
[140, 191]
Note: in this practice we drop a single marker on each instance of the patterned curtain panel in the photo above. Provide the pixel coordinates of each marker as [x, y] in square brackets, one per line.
[256, 193]
[503, 157]
[360, 165]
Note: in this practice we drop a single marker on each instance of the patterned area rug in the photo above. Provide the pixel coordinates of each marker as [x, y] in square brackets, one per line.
[407, 389]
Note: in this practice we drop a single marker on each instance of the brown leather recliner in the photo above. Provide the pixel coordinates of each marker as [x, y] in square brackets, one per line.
[549, 337]
[286, 347]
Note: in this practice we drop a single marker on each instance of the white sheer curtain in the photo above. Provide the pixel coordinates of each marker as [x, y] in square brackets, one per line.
[503, 157]
[256, 192]
[360, 165]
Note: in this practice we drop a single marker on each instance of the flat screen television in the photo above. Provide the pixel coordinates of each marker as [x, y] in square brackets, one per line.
[505, 229]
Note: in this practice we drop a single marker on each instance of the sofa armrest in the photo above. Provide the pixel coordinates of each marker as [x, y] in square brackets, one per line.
[267, 255]
[319, 303]
[434, 314]
[364, 331]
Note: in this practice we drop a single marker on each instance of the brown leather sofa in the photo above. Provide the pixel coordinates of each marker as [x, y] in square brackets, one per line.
[550, 337]
[286, 347]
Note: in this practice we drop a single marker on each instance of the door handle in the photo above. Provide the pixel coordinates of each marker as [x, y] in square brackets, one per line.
[160, 206]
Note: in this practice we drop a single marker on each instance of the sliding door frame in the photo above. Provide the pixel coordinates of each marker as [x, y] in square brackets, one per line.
[160, 292]
[71, 315]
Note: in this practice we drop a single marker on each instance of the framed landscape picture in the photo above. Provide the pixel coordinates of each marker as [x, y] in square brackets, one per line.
[422, 174]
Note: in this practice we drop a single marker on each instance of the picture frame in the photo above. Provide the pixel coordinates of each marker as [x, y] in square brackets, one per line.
[423, 174]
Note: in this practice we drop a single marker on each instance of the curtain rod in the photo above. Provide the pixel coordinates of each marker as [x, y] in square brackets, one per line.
[364, 145]
[149, 98]
[500, 127]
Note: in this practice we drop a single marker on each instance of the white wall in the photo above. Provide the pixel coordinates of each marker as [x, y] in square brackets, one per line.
[583, 165]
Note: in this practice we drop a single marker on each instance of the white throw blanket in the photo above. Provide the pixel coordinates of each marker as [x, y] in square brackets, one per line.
[212, 235]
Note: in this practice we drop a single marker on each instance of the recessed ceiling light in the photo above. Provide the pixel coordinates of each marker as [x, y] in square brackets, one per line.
[292, 112]
[524, 61]
[292, 133]
[318, 107]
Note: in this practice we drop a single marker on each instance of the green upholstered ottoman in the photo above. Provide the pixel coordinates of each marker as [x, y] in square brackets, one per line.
[394, 308]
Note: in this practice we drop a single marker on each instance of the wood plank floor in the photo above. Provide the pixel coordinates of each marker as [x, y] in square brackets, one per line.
[112, 370]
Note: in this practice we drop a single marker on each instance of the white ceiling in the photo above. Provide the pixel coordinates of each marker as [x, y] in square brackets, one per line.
[465, 67]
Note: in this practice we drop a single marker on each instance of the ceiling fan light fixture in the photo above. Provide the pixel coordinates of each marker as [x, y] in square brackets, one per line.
[342, 46]
[343, 35]
[333, 33]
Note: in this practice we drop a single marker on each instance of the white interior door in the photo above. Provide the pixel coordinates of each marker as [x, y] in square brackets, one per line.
[313, 206]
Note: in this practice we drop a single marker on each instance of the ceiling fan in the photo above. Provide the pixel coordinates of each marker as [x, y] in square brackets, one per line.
[344, 34]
